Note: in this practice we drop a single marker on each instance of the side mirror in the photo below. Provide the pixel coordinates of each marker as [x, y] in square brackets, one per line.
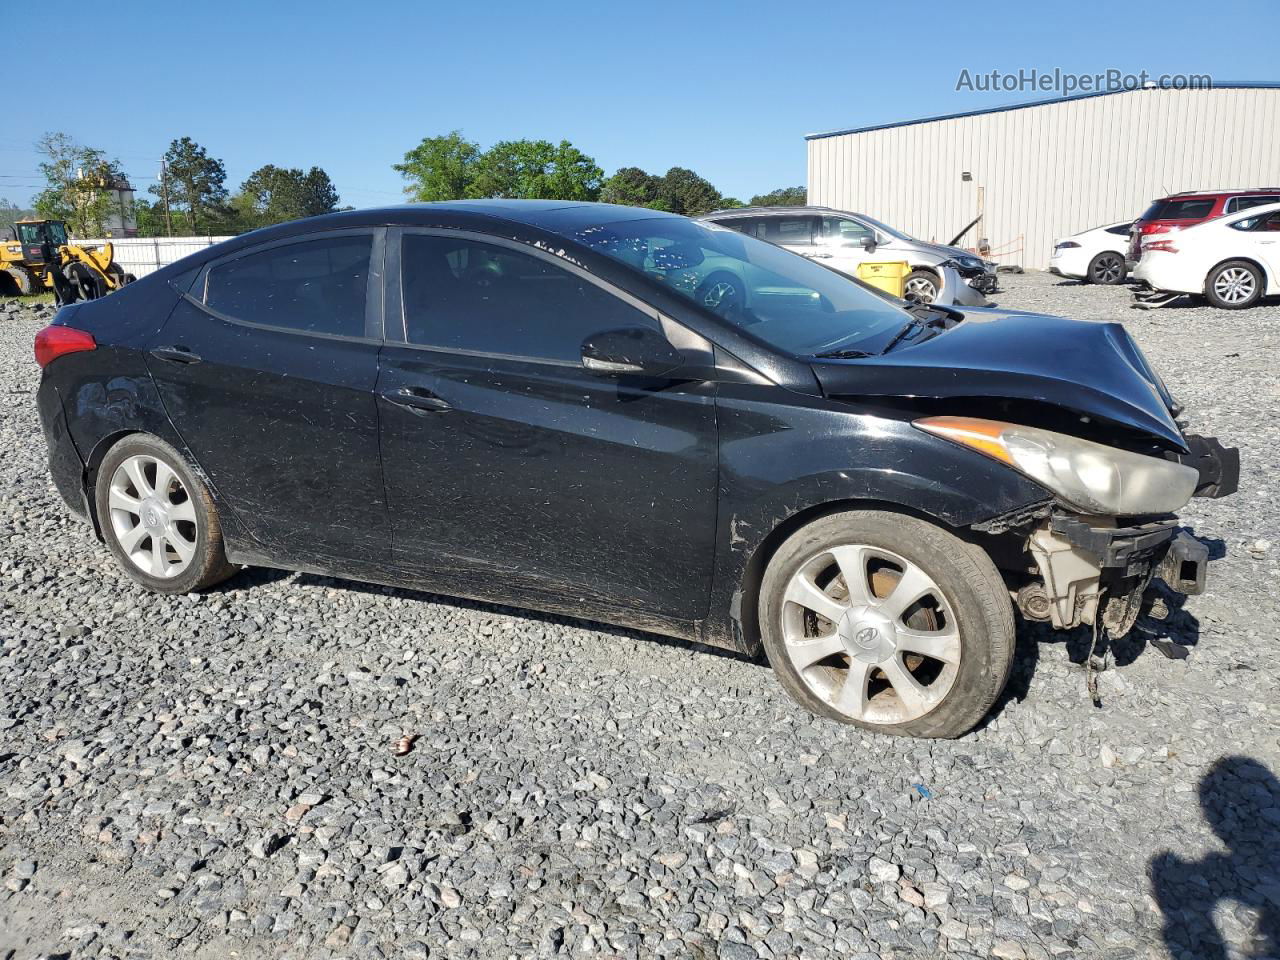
[869, 244]
[632, 350]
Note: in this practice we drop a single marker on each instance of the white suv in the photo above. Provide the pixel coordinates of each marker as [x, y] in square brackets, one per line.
[843, 240]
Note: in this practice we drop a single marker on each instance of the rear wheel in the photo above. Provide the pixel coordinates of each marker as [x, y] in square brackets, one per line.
[158, 518]
[85, 283]
[921, 286]
[1234, 285]
[887, 622]
[1107, 268]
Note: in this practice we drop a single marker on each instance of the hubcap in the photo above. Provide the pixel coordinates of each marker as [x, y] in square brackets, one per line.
[871, 634]
[1234, 285]
[152, 516]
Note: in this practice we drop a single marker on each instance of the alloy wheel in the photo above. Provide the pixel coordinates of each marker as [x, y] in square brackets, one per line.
[152, 516]
[1234, 285]
[920, 290]
[1108, 268]
[718, 293]
[871, 633]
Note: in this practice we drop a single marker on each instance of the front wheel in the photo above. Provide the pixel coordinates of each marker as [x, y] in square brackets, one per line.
[887, 622]
[158, 518]
[921, 286]
[1234, 285]
[1107, 268]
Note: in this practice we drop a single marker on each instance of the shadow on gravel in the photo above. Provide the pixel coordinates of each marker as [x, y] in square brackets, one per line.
[1240, 799]
[422, 596]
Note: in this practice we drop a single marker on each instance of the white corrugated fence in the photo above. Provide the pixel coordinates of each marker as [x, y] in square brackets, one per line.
[143, 255]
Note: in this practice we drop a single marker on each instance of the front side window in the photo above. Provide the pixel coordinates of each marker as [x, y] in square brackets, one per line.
[468, 295]
[317, 286]
[779, 297]
[843, 232]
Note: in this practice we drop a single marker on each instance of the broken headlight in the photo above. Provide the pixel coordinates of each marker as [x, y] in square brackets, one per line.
[1089, 476]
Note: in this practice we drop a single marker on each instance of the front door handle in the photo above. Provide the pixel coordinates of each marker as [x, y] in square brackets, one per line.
[417, 399]
[175, 354]
[819, 256]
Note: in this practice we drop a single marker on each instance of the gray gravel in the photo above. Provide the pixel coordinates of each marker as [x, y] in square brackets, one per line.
[214, 776]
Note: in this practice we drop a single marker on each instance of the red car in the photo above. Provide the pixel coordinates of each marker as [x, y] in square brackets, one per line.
[1183, 210]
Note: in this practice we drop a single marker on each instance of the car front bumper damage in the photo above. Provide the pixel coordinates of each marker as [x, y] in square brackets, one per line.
[1096, 570]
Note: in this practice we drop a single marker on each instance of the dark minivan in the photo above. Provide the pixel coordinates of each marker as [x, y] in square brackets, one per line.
[629, 416]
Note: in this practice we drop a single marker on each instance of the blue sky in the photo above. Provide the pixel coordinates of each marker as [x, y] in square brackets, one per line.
[728, 89]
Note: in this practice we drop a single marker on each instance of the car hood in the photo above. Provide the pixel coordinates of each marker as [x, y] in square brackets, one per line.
[1092, 368]
[944, 251]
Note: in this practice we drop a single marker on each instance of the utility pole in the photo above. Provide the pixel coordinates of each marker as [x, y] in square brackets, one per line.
[164, 195]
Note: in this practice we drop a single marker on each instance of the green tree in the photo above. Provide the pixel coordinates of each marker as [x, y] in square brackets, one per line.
[782, 197]
[77, 179]
[197, 183]
[536, 170]
[683, 191]
[274, 194]
[633, 187]
[10, 214]
[440, 168]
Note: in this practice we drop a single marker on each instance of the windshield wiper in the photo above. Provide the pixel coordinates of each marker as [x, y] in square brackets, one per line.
[845, 355]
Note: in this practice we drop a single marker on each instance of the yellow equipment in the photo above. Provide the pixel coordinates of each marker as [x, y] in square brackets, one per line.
[886, 275]
[41, 257]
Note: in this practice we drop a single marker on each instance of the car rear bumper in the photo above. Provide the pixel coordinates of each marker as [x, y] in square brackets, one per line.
[65, 465]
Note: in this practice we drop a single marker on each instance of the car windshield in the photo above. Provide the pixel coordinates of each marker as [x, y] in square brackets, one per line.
[777, 296]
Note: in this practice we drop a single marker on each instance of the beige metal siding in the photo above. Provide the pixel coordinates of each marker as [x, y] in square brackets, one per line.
[1050, 170]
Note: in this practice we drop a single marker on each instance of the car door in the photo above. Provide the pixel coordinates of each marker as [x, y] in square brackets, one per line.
[267, 368]
[1266, 234]
[510, 470]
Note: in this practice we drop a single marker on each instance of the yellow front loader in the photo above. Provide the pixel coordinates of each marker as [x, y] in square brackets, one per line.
[41, 257]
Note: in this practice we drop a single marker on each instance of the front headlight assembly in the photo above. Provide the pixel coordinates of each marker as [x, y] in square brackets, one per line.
[1091, 477]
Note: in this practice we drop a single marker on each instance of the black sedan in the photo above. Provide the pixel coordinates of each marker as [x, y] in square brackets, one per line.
[633, 417]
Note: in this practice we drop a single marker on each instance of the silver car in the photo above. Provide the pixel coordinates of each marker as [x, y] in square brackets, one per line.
[843, 240]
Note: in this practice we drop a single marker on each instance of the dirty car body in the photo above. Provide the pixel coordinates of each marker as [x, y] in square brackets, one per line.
[531, 403]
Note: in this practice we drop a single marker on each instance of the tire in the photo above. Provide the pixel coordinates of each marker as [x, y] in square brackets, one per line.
[965, 617]
[720, 292]
[117, 275]
[921, 286]
[86, 284]
[1107, 268]
[24, 281]
[179, 509]
[1234, 285]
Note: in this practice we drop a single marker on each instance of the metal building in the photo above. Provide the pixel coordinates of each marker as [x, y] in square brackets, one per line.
[1044, 170]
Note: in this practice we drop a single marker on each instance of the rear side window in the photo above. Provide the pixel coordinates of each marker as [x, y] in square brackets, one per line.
[1236, 204]
[1179, 210]
[317, 286]
[1261, 224]
[1120, 230]
[751, 226]
[790, 230]
[467, 295]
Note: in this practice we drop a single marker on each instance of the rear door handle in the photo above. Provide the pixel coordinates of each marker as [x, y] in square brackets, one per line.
[175, 355]
[819, 256]
[417, 399]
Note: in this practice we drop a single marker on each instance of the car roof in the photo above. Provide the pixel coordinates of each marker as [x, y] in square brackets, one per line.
[1214, 194]
[764, 211]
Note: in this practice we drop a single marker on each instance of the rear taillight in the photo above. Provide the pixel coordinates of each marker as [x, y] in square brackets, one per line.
[1160, 246]
[55, 341]
[1067, 245]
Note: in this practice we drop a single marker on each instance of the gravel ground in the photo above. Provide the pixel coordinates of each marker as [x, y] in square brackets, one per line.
[213, 775]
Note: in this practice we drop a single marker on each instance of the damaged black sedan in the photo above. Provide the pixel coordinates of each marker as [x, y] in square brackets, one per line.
[633, 417]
